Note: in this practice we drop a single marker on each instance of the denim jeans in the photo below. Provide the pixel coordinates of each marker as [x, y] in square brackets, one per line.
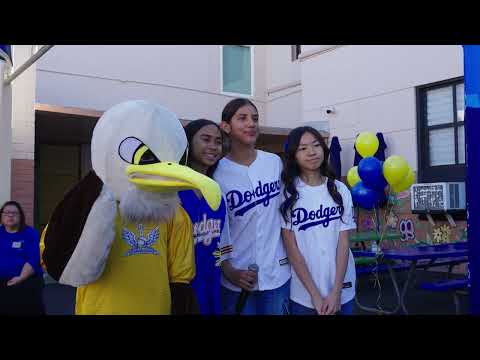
[297, 309]
[266, 302]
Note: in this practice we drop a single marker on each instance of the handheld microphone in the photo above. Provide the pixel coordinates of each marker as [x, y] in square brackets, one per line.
[242, 299]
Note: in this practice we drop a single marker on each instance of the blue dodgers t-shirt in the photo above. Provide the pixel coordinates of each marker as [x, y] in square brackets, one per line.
[207, 228]
[18, 248]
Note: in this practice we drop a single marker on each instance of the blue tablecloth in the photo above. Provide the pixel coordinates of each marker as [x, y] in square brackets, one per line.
[420, 252]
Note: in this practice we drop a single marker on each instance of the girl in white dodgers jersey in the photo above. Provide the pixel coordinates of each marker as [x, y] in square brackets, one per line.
[250, 181]
[316, 214]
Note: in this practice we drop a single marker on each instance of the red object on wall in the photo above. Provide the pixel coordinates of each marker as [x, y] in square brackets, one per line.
[23, 190]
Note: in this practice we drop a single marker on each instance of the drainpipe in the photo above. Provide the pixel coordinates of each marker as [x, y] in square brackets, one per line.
[27, 64]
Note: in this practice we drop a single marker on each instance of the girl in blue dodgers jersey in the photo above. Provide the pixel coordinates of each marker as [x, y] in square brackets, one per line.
[210, 231]
[250, 181]
[317, 214]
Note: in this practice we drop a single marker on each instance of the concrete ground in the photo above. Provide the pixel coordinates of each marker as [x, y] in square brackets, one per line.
[60, 299]
[417, 301]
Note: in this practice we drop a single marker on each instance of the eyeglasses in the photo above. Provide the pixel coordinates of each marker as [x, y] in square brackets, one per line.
[10, 213]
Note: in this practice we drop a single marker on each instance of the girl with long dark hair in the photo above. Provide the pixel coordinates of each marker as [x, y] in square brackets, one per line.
[210, 228]
[250, 181]
[316, 214]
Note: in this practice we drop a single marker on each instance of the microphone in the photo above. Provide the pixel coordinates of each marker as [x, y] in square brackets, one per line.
[242, 299]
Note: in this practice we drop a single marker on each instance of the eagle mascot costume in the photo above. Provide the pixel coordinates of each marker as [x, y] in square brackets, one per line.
[120, 235]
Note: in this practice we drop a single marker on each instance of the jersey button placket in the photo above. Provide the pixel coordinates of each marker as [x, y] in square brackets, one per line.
[257, 222]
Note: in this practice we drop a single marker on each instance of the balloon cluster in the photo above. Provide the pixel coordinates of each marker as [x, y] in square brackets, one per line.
[369, 179]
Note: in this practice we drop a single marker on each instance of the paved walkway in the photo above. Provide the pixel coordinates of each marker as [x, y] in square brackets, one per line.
[60, 299]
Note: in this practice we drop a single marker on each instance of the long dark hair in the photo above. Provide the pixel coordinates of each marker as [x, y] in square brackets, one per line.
[231, 108]
[190, 130]
[291, 170]
[22, 223]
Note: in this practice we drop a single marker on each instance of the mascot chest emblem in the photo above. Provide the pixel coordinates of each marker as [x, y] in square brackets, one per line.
[140, 244]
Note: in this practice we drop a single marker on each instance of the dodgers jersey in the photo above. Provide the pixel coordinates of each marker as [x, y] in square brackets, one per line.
[316, 222]
[253, 199]
[212, 245]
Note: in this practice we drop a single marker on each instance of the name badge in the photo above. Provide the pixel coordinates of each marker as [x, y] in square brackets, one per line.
[16, 244]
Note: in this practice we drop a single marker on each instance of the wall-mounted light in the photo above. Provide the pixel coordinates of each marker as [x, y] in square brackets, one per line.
[329, 110]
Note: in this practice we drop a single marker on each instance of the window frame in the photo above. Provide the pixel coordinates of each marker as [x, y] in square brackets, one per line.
[440, 173]
[252, 73]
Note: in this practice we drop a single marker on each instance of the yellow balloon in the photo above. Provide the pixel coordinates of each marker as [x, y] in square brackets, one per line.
[405, 183]
[352, 176]
[395, 169]
[366, 144]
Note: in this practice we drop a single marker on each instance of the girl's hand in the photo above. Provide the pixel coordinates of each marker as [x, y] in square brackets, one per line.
[15, 280]
[318, 303]
[331, 304]
[244, 279]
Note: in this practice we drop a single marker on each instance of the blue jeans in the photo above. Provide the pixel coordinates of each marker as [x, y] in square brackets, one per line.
[297, 309]
[266, 302]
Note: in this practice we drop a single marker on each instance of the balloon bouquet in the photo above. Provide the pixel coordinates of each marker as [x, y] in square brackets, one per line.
[369, 180]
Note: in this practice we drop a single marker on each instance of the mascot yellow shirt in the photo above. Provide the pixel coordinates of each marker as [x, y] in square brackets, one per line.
[143, 260]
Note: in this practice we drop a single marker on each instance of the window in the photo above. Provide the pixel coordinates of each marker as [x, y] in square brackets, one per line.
[296, 50]
[441, 132]
[237, 74]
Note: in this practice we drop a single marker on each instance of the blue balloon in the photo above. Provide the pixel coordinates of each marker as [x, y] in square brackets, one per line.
[370, 170]
[364, 197]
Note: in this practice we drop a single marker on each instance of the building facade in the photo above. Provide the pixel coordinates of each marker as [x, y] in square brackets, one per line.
[413, 95]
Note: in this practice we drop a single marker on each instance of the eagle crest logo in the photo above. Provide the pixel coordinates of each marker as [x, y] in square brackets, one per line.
[141, 244]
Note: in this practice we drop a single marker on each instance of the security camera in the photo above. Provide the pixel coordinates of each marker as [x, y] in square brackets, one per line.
[329, 110]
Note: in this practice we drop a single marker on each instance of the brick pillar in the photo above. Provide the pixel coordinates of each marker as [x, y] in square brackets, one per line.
[23, 186]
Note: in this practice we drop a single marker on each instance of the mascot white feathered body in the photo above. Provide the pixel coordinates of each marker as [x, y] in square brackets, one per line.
[120, 235]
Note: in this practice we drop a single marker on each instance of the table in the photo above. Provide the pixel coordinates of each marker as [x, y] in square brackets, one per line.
[456, 253]
[368, 236]
[361, 237]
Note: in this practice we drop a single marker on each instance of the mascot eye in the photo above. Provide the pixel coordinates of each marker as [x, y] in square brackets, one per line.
[145, 156]
[136, 152]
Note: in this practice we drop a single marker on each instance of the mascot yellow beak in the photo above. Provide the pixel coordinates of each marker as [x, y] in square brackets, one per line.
[169, 177]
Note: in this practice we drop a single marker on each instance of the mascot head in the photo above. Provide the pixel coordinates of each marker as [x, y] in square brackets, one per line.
[136, 147]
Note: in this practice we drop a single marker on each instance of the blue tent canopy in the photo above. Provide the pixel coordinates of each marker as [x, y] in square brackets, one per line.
[335, 161]
[472, 155]
[6, 53]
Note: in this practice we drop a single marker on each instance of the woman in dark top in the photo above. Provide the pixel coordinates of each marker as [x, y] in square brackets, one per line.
[21, 276]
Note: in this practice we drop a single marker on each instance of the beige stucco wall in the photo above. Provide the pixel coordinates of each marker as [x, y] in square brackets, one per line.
[284, 90]
[372, 88]
[23, 106]
[184, 78]
[17, 123]
[5, 138]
